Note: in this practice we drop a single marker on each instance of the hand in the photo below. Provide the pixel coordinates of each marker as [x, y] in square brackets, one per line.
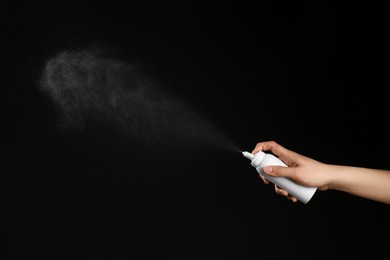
[302, 169]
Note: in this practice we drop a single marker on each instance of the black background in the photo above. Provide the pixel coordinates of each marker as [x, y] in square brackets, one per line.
[309, 75]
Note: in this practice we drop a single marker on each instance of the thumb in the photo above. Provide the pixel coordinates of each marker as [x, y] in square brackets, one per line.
[278, 171]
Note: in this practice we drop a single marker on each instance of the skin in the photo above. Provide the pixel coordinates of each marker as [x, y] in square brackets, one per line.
[373, 184]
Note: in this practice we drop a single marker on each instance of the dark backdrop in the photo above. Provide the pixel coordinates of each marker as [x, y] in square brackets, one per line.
[309, 75]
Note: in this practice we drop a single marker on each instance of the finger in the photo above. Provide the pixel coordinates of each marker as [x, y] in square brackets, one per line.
[264, 179]
[279, 171]
[292, 198]
[282, 153]
[272, 146]
[280, 191]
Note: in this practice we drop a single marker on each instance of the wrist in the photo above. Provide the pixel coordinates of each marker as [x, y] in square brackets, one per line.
[334, 176]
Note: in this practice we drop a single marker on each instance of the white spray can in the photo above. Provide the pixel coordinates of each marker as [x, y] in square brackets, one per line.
[261, 159]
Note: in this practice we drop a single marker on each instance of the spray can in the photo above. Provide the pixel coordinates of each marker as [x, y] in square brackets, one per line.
[261, 159]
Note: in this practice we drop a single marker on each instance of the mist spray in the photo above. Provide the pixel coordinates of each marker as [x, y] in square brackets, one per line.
[261, 159]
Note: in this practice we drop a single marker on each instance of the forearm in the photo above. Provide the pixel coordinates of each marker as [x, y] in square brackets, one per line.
[368, 183]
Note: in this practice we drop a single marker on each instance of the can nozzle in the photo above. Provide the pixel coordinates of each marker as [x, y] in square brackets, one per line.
[248, 155]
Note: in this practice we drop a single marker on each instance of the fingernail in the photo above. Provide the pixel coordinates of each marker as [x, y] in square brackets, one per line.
[268, 169]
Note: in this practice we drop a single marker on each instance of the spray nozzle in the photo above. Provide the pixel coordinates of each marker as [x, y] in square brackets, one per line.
[248, 155]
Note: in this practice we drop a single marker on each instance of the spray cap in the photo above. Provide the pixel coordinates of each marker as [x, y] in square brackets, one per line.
[255, 158]
[248, 155]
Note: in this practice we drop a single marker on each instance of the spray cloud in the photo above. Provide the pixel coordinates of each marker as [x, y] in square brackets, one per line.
[90, 87]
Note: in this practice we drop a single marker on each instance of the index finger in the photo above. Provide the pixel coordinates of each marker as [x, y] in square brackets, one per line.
[272, 146]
